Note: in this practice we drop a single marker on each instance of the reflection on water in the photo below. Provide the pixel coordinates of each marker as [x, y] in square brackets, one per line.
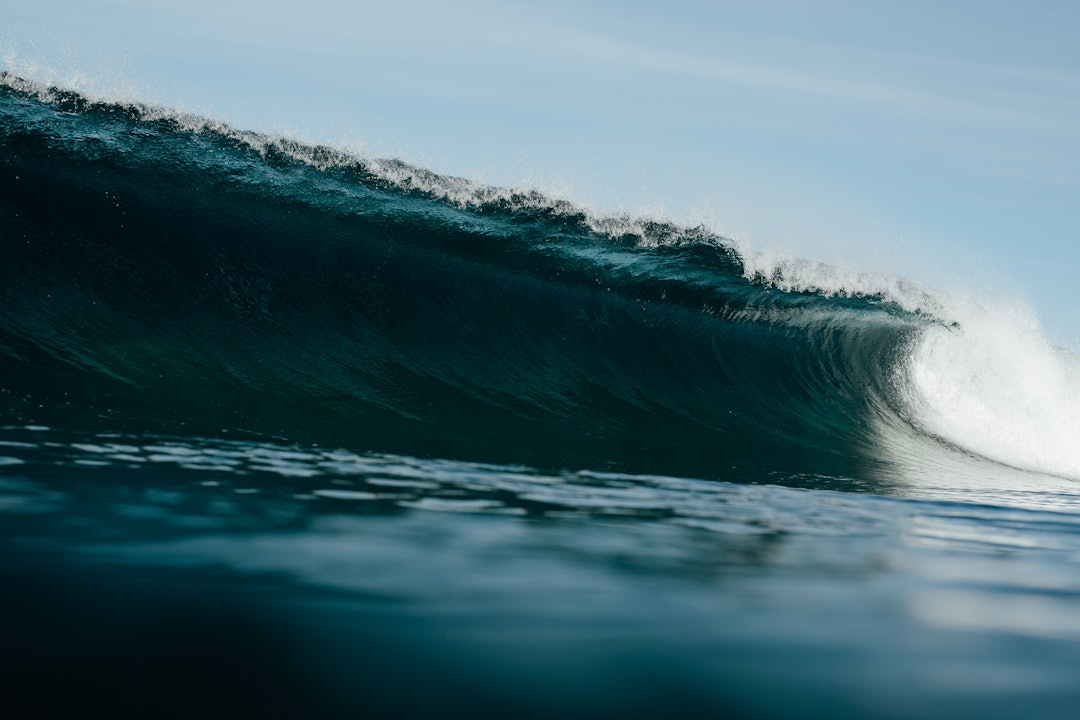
[353, 579]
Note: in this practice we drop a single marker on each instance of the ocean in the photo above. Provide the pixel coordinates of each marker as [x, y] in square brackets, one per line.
[290, 432]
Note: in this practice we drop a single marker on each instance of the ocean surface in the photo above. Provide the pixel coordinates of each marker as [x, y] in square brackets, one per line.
[287, 432]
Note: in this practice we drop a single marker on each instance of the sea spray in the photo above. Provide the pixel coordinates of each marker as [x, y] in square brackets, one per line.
[994, 385]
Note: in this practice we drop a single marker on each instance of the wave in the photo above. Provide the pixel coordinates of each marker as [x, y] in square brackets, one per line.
[172, 274]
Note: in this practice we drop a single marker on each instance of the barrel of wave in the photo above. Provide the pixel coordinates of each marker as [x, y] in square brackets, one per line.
[993, 384]
[981, 376]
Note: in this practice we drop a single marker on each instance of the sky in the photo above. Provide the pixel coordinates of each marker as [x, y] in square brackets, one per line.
[937, 141]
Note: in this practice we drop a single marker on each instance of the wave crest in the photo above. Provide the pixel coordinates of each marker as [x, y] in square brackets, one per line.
[206, 279]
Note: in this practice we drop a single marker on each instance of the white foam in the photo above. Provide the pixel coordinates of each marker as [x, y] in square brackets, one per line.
[995, 386]
[793, 274]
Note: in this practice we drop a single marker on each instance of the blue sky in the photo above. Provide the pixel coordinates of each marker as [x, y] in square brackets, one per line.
[934, 140]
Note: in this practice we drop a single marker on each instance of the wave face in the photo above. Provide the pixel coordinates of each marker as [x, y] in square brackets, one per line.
[172, 275]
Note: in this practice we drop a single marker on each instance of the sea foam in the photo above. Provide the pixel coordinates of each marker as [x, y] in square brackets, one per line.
[994, 385]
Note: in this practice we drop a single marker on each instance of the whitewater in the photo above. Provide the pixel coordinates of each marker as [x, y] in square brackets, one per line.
[340, 427]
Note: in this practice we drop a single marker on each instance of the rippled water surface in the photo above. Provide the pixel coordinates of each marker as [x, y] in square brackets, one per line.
[410, 585]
